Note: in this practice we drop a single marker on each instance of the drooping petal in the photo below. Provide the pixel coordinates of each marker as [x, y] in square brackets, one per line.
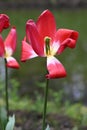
[66, 38]
[55, 68]
[4, 22]
[34, 38]
[11, 40]
[46, 24]
[2, 50]
[27, 51]
[63, 34]
[67, 43]
[12, 63]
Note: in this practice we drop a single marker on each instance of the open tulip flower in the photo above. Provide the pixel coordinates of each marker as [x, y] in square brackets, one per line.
[4, 22]
[8, 47]
[46, 41]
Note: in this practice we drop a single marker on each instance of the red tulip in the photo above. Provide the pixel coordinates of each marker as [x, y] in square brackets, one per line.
[46, 41]
[7, 48]
[4, 22]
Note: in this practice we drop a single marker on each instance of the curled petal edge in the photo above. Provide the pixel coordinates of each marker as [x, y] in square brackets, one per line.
[67, 43]
[62, 34]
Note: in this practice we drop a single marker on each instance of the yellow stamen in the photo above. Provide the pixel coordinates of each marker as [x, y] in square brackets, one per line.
[47, 45]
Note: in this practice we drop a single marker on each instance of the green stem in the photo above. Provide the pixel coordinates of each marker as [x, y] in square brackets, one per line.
[6, 89]
[45, 105]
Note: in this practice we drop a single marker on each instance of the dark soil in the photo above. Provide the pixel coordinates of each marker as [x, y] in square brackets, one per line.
[33, 121]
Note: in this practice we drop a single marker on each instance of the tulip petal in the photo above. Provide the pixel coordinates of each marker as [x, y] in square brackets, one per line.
[12, 63]
[34, 38]
[55, 68]
[66, 38]
[46, 24]
[4, 22]
[1, 47]
[27, 51]
[10, 41]
[63, 34]
[67, 43]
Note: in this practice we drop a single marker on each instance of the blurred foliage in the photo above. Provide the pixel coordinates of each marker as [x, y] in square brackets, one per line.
[3, 118]
[75, 111]
[74, 3]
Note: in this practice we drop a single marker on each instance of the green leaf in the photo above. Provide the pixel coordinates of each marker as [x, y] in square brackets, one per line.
[48, 128]
[11, 123]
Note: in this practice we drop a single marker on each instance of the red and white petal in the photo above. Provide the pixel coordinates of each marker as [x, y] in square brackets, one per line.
[2, 50]
[63, 34]
[55, 68]
[12, 63]
[4, 22]
[67, 43]
[11, 40]
[66, 38]
[34, 38]
[46, 24]
[55, 47]
[27, 51]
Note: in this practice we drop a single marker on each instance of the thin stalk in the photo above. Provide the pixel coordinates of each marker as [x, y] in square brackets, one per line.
[6, 89]
[45, 105]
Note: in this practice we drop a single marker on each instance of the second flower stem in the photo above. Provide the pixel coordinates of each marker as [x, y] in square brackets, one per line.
[45, 105]
[6, 89]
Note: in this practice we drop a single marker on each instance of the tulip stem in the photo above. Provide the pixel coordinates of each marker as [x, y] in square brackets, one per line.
[6, 89]
[45, 105]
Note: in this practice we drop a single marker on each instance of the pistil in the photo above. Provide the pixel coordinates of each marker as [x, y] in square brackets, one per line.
[47, 45]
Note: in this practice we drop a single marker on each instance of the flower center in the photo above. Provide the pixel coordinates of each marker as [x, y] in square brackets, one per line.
[47, 45]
